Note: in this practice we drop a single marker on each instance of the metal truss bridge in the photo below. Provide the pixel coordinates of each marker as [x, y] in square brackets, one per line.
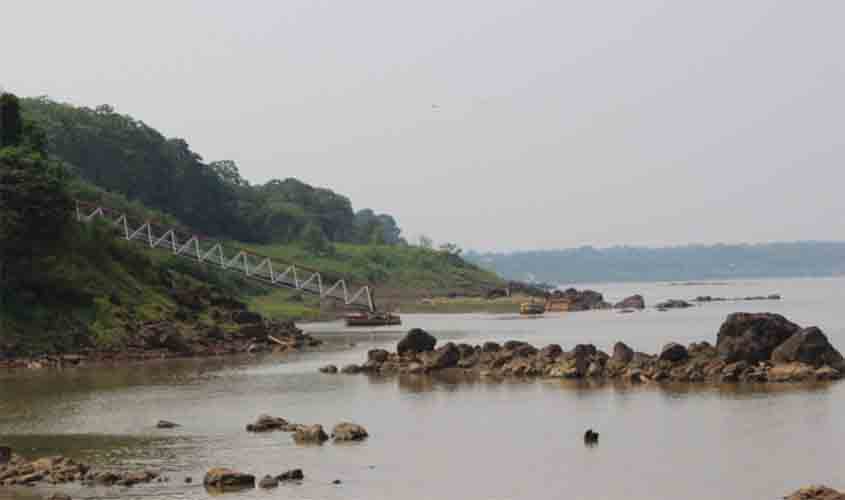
[202, 250]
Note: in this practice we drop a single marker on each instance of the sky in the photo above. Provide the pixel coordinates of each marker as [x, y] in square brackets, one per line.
[497, 125]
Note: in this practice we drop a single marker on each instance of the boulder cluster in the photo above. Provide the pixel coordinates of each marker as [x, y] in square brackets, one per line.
[750, 347]
[315, 434]
[60, 470]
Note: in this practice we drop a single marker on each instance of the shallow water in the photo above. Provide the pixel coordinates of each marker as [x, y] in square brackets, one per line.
[436, 438]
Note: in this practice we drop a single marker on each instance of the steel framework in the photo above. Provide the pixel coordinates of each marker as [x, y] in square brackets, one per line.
[251, 265]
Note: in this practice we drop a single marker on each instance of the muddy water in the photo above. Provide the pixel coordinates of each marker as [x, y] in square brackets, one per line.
[437, 438]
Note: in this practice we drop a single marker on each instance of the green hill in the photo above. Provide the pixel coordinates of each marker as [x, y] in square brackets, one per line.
[66, 285]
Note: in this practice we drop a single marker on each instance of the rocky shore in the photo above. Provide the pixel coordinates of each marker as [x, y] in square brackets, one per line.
[16, 470]
[231, 329]
[750, 347]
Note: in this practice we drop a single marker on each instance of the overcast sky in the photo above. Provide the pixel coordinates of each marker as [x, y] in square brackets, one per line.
[494, 124]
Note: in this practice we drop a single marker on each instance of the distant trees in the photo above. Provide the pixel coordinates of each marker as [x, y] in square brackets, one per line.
[425, 242]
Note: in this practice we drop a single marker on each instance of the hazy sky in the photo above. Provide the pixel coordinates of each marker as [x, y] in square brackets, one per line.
[497, 125]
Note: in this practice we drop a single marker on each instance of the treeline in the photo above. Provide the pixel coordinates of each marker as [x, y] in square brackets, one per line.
[123, 155]
[693, 262]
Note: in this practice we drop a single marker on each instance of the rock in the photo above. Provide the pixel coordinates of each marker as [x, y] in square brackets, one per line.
[222, 478]
[378, 355]
[446, 356]
[622, 353]
[752, 337]
[551, 352]
[347, 431]
[189, 480]
[591, 437]
[329, 369]
[292, 475]
[791, 372]
[246, 317]
[524, 350]
[266, 423]
[5, 454]
[816, 493]
[310, 434]
[351, 369]
[673, 304]
[733, 371]
[584, 351]
[574, 300]
[416, 340]
[828, 373]
[632, 302]
[268, 482]
[674, 353]
[808, 346]
[337, 481]
[59, 496]
[166, 424]
[490, 347]
[466, 350]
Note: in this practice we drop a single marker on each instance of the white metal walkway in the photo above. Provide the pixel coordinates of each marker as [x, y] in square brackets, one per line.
[252, 265]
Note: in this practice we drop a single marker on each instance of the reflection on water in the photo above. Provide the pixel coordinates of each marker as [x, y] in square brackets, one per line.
[454, 437]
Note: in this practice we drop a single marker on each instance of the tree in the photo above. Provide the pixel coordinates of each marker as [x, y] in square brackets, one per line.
[315, 241]
[228, 172]
[11, 124]
[425, 242]
[451, 249]
[35, 207]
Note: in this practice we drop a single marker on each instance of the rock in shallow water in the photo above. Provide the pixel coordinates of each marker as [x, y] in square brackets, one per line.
[166, 424]
[329, 369]
[266, 423]
[752, 337]
[808, 346]
[347, 431]
[310, 434]
[291, 475]
[223, 478]
[268, 482]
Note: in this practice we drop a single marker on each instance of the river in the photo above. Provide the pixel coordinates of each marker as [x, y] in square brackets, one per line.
[435, 438]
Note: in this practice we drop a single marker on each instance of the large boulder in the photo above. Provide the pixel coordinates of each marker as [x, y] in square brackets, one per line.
[622, 353]
[222, 478]
[752, 337]
[416, 340]
[632, 302]
[808, 346]
[347, 431]
[674, 353]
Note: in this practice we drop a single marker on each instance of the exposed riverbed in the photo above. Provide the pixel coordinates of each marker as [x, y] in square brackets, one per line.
[434, 438]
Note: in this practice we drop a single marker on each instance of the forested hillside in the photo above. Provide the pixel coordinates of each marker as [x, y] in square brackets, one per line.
[588, 264]
[65, 285]
[121, 154]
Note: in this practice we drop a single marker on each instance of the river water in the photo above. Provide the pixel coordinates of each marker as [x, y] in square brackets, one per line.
[435, 438]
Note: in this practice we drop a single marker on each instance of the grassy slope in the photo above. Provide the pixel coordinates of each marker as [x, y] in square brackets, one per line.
[399, 274]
